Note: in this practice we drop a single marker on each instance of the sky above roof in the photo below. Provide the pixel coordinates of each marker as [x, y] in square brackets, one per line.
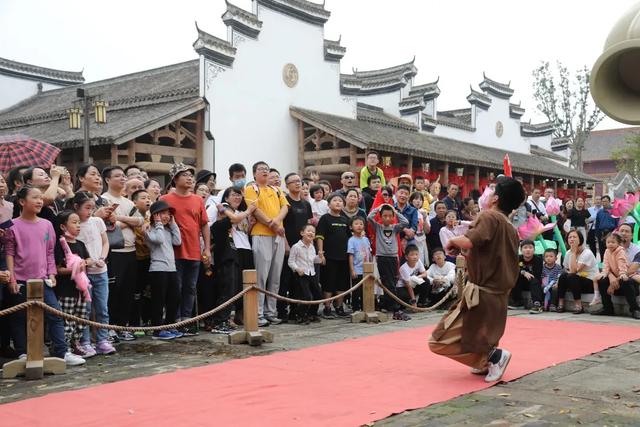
[456, 40]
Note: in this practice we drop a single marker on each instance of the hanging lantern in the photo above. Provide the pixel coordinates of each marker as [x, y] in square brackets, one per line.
[426, 167]
[460, 171]
[74, 117]
[386, 161]
[101, 111]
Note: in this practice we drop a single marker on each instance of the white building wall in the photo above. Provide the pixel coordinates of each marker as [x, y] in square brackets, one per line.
[486, 122]
[15, 89]
[387, 101]
[249, 114]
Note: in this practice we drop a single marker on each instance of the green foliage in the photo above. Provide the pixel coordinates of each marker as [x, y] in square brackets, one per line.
[627, 158]
[566, 101]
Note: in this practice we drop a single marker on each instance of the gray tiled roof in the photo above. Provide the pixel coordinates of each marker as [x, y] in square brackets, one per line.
[601, 143]
[333, 51]
[245, 22]
[35, 72]
[311, 12]
[137, 101]
[378, 81]
[498, 89]
[367, 134]
[539, 151]
[460, 118]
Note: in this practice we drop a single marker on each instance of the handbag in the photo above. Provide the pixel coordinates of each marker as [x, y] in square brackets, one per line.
[115, 236]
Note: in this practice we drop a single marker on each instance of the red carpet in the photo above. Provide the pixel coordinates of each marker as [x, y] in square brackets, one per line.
[348, 383]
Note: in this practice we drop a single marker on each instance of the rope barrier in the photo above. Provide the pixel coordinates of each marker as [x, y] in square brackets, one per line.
[88, 322]
[320, 301]
[418, 309]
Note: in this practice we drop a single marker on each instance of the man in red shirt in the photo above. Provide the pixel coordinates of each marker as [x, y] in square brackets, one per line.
[191, 218]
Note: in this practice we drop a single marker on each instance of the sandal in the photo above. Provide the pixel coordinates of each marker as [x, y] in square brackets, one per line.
[560, 309]
[578, 310]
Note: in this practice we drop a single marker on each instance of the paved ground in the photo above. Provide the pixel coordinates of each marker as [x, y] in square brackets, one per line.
[602, 389]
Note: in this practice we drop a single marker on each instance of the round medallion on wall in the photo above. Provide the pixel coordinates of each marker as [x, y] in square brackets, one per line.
[290, 75]
[499, 129]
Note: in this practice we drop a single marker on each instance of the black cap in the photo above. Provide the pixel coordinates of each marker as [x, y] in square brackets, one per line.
[160, 206]
[203, 176]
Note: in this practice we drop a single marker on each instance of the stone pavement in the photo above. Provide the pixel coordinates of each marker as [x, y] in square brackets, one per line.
[602, 389]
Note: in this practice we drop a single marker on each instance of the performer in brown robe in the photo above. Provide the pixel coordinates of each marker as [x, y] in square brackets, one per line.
[470, 332]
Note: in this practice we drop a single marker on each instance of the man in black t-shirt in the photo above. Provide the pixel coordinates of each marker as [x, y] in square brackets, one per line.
[298, 215]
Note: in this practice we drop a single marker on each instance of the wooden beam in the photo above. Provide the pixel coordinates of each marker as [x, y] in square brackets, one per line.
[336, 168]
[327, 154]
[187, 133]
[410, 164]
[178, 128]
[353, 155]
[165, 150]
[194, 121]
[445, 173]
[476, 178]
[158, 167]
[114, 155]
[199, 140]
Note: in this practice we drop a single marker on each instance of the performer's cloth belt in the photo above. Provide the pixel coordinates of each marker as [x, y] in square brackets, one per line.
[471, 296]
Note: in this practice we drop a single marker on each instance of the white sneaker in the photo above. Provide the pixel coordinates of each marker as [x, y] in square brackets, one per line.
[596, 300]
[71, 359]
[496, 370]
[482, 371]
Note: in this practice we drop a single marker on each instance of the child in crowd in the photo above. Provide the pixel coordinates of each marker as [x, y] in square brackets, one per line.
[30, 245]
[452, 228]
[424, 226]
[326, 186]
[551, 272]
[301, 261]
[332, 238]
[387, 251]
[441, 275]
[225, 255]
[529, 279]
[615, 265]
[69, 298]
[319, 205]
[413, 278]
[142, 295]
[93, 233]
[359, 250]
[161, 237]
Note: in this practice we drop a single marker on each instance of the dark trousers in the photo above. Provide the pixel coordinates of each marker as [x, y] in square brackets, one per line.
[307, 289]
[602, 242]
[523, 284]
[246, 263]
[422, 292]
[164, 297]
[575, 284]
[591, 240]
[141, 307]
[207, 291]
[123, 269]
[286, 289]
[388, 269]
[627, 288]
[18, 322]
[356, 296]
[226, 281]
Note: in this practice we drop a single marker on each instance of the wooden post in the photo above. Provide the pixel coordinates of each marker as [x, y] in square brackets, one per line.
[200, 139]
[114, 155]
[301, 163]
[410, 165]
[353, 156]
[35, 365]
[368, 313]
[445, 173]
[555, 188]
[460, 274]
[532, 183]
[575, 193]
[131, 152]
[477, 178]
[251, 334]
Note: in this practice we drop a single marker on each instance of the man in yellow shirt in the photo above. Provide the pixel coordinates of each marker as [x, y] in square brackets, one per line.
[267, 239]
[371, 168]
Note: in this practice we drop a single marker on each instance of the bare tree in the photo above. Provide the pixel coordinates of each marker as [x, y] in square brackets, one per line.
[568, 104]
[628, 157]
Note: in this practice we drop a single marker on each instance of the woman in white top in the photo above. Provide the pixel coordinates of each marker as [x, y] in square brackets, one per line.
[580, 268]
